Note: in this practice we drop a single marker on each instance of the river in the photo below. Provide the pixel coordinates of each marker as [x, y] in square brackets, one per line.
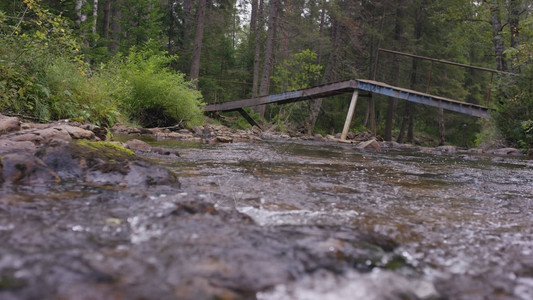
[456, 226]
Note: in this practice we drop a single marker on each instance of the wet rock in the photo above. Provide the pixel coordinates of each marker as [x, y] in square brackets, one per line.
[363, 136]
[375, 285]
[98, 131]
[474, 151]
[371, 146]
[53, 133]
[224, 139]
[102, 163]
[138, 145]
[198, 130]
[60, 158]
[507, 151]
[351, 135]
[429, 150]
[26, 169]
[390, 144]
[484, 286]
[9, 124]
[164, 151]
[77, 132]
[8, 146]
[256, 130]
[318, 138]
[122, 129]
[447, 149]
[28, 137]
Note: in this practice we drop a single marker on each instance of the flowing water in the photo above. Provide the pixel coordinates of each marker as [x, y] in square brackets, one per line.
[457, 216]
[461, 224]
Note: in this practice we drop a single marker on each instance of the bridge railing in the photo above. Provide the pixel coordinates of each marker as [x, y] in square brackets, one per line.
[431, 69]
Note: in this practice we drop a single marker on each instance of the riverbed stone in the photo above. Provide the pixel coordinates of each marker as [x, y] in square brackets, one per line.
[138, 145]
[390, 144]
[26, 169]
[53, 133]
[371, 146]
[507, 151]
[447, 149]
[9, 124]
[77, 132]
[351, 135]
[28, 137]
[102, 163]
[224, 139]
[8, 146]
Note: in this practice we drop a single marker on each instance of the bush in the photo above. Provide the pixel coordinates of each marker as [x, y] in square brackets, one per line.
[153, 95]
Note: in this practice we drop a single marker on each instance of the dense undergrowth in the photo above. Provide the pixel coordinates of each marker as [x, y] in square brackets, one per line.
[44, 76]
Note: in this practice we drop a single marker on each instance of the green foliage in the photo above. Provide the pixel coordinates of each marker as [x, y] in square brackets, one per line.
[515, 94]
[152, 94]
[298, 72]
[42, 74]
[142, 20]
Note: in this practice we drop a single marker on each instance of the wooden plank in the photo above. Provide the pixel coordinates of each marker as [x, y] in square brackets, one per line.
[423, 98]
[326, 90]
[349, 86]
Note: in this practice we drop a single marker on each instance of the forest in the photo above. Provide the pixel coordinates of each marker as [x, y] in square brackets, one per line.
[156, 62]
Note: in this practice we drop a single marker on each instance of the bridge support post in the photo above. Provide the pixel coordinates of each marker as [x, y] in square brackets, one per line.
[248, 118]
[349, 116]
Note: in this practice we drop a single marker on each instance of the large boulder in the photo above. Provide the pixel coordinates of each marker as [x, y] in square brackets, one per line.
[9, 124]
[370, 146]
[102, 163]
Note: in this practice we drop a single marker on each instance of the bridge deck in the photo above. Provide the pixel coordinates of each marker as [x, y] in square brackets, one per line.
[349, 86]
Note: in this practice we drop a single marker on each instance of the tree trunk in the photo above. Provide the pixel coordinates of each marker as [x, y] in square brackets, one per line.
[371, 108]
[328, 73]
[257, 55]
[285, 46]
[107, 17]
[187, 24]
[393, 102]
[80, 16]
[408, 118]
[269, 54]
[116, 31]
[497, 37]
[514, 24]
[95, 15]
[171, 22]
[198, 39]
[514, 14]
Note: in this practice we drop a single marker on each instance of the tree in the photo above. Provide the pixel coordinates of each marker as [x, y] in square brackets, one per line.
[393, 102]
[269, 54]
[497, 36]
[256, 25]
[198, 39]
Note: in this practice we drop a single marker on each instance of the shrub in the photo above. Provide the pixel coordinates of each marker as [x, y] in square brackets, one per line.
[154, 95]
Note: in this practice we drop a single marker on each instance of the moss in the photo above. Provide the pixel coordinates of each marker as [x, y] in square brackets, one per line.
[107, 150]
[8, 282]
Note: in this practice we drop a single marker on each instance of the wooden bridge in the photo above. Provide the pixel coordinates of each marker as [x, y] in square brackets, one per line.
[352, 86]
[371, 86]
